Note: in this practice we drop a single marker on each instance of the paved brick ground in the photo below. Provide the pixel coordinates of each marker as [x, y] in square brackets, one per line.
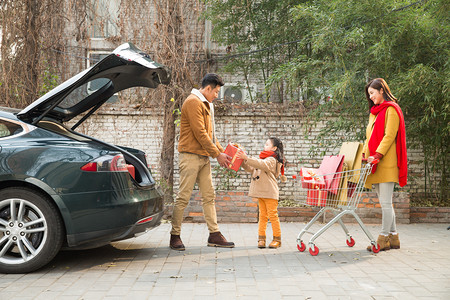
[145, 268]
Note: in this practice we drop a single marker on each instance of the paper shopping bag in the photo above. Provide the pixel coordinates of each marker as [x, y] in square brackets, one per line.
[352, 152]
[343, 186]
[349, 150]
[330, 167]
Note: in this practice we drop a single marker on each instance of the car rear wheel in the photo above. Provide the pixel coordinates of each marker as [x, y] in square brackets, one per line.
[31, 230]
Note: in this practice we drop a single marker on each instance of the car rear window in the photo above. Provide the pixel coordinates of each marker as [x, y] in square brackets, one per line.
[9, 128]
[82, 92]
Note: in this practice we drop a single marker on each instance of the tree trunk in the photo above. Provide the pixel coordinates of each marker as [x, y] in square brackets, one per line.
[32, 50]
[175, 45]
[168, 150]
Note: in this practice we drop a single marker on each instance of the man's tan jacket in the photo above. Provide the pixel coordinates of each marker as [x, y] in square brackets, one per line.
[196, 129]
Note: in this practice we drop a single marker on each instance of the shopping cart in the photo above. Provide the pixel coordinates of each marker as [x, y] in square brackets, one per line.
[341, 197]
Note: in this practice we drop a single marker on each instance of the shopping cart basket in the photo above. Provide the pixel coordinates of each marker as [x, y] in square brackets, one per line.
[341, 198]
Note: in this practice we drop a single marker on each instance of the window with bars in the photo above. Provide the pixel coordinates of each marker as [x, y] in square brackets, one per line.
[103, 16]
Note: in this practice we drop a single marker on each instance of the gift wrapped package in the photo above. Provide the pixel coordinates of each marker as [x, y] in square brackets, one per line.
[311, 178]
[316, 197]
[232, 150]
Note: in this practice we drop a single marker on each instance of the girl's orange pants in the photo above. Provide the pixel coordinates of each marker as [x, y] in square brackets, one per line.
[268, 210]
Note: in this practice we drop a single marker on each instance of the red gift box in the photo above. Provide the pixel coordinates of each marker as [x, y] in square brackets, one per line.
[231, 150]
[311, 178]
[316, 197]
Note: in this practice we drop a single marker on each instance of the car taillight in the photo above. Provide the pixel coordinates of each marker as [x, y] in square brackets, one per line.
[107, 163]
[119, 164]
[145, 220]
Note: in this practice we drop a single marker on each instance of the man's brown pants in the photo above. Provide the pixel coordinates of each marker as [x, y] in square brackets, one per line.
[193, 169]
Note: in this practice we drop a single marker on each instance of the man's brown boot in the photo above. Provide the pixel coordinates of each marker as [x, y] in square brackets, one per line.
[216, 239]
[394, 241]
[176, 243]
[276, 243]
[383, 242]
[261, 241]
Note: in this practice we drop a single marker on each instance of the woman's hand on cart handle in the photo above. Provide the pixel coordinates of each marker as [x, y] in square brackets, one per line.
[372, 160]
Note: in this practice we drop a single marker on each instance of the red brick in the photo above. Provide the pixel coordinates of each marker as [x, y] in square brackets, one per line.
[251, 205]
[195, 214]
[401, 206]
[443, 219]
[418, 215]
[426, 209]
[309, 214]
[288, 214]
[236, 193]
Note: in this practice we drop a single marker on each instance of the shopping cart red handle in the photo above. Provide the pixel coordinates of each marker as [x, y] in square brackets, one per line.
[374, 162]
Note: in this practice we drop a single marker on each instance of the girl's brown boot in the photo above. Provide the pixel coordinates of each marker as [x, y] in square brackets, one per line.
[383, 242]
[394, 241]
[261, 241]
[276, 243]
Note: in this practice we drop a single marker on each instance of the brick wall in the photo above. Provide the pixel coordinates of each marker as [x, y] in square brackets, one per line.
[231, 207]
[237, 207]
[430, 215]
[249, 125]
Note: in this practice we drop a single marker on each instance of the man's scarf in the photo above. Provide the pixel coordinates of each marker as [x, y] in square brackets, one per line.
[378, 134]
[264, 154]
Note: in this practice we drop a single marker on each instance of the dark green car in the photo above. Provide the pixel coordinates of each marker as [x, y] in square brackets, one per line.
[60, 188]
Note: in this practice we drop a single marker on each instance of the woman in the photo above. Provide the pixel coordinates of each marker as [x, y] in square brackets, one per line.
[386, 142]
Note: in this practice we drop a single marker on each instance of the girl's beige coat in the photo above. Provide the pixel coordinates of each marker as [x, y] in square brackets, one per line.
[264, 177]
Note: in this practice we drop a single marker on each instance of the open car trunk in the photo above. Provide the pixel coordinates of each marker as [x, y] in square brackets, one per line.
[84, 93]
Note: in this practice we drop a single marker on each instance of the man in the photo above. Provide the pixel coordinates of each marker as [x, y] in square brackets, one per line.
[198, 142]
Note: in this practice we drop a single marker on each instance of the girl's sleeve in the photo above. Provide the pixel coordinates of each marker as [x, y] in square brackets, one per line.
[390, 131]
[268, 165]
[246, 167]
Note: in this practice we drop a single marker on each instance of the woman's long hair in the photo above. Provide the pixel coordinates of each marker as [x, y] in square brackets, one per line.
[276, 142]
[378, 84]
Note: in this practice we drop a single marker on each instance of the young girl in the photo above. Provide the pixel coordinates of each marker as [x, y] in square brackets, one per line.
[264, 187]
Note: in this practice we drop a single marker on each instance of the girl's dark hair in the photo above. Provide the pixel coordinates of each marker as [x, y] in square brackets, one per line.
[378, 84]
[276, 142]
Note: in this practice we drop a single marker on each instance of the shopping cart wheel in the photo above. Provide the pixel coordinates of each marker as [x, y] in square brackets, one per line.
[315, 251]
[301, 247]
[375, 249]
[350, 242]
